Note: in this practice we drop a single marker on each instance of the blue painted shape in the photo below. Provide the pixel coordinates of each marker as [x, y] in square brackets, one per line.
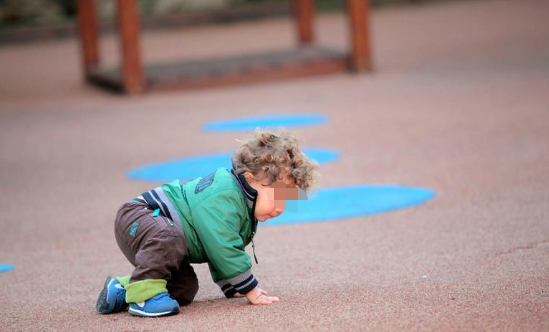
[4, 268]
[267, 121]
[190, 168]
[354, 201]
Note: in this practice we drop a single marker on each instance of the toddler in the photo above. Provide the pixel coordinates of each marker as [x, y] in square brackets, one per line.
[209, 220]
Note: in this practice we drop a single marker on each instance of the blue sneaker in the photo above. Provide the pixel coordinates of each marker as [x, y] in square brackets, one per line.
[112, 298]
[160, 305]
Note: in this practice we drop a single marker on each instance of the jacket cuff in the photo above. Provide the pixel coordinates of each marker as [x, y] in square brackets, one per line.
[243, 283]
[226, 288]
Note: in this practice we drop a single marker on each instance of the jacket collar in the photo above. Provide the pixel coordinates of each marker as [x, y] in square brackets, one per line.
[251, 197]
[249, 193]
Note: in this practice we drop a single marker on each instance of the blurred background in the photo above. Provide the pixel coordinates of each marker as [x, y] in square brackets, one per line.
[59, 13]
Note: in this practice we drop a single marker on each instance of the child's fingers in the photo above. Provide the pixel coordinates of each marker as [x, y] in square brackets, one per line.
[262, 301]
[271, 299]
[266, 300]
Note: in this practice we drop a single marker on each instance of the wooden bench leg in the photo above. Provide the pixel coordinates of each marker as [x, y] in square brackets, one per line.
[132, 69]
[359, 12]
[303, 15]
[89, 35]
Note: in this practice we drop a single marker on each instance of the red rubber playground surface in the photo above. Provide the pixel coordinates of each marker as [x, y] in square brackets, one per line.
[459, 104]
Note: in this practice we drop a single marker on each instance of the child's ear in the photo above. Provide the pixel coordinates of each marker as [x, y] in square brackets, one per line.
[249, 177]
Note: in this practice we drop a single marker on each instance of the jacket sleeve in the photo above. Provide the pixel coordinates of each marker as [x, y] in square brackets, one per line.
[218, 229]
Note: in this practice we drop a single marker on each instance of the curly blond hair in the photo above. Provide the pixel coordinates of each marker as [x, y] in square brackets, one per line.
[275, 155]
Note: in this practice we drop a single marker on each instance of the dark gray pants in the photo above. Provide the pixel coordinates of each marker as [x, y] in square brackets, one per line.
[156, 246]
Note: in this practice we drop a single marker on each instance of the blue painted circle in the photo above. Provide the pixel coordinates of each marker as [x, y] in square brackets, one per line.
[190, 168]
[267, 121]
[4, 268]
[355, 201]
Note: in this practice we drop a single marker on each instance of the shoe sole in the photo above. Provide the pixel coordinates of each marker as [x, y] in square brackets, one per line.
[139, 313]
[102, 305]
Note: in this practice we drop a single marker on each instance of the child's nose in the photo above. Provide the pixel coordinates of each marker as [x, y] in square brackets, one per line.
[280, 205]
[279, 209]
[277, 213]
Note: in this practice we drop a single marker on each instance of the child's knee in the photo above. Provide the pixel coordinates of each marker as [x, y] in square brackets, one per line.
[183, 285]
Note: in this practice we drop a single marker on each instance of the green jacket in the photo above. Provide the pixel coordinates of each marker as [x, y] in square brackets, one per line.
[217, 215]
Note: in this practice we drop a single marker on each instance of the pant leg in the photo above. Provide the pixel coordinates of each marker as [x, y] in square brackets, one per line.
[156, 246]
[183, 285]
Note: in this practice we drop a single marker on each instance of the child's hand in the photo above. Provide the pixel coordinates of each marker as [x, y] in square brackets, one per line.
[258, 296]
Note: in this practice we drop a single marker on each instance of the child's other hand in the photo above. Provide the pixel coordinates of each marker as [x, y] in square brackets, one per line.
[258, 296]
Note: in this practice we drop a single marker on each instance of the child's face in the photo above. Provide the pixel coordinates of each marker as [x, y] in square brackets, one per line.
[271, 199]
